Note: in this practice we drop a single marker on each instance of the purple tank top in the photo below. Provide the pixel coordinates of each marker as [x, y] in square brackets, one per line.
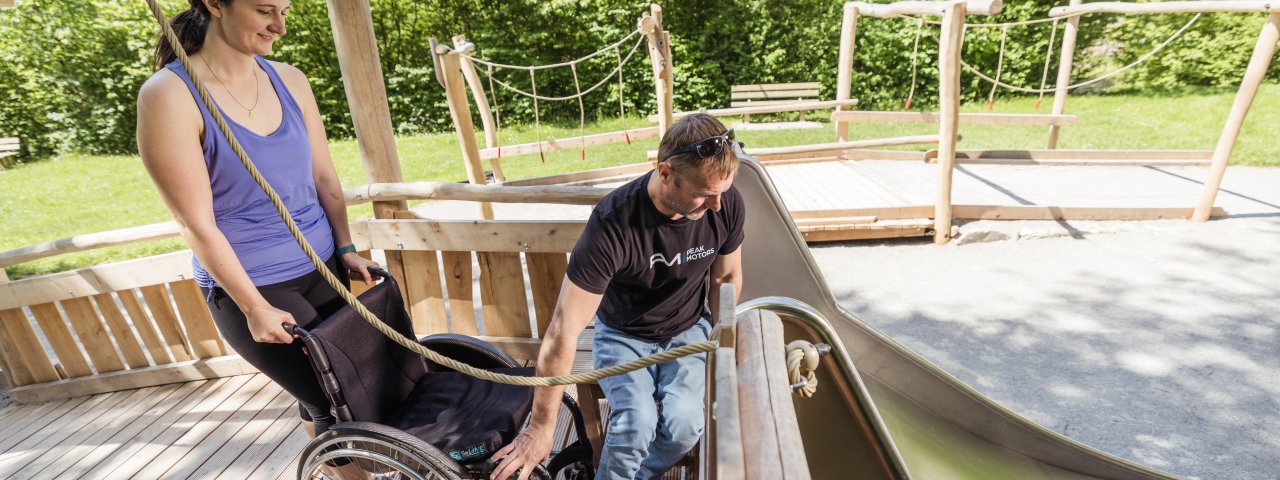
[243, 212]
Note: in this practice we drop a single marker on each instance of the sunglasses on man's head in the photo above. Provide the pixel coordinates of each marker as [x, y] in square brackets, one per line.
[707, 147]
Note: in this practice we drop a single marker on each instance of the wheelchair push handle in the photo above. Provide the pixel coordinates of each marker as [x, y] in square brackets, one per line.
[297, 331]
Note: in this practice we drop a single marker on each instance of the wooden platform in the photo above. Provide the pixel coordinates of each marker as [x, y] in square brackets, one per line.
[233, 428]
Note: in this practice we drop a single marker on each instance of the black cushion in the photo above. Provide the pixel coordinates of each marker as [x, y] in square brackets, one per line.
[463, 416]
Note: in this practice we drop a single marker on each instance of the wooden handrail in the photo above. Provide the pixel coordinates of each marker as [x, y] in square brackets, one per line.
[885, 10]
[1132, 8]
[357, 195]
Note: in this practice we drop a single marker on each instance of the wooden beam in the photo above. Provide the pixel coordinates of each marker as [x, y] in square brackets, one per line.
[949, 102]
[650, 25]
[880, 213]
[1136, 8]
[468, 236]
[588, 176]
[844, 71]
[885, 10]
[357, 48]
[828, 149]
[1065, 61]
[460, 110]
[216, 367]
[571, 142]
[1040, 212]
[1201, 155]
[965, 118]
[1253, 77]
[482, 106]
[569, 195]
[767, 107]
[844, 235]
[727, 422]
[1164, 158]
[79, 243]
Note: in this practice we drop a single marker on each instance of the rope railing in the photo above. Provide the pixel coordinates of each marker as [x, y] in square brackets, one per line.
[534, 95]
[556, 65]
[970, 68]
[370, 317]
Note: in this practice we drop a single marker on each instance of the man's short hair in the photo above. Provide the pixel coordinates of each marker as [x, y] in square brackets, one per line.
[689, 130]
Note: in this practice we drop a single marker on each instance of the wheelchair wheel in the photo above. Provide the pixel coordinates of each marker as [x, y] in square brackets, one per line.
[361, 448]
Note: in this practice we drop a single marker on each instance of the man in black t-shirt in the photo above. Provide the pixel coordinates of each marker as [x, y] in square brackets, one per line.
[652, 258]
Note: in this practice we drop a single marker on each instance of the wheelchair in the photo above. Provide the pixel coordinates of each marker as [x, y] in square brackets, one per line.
[402, 416]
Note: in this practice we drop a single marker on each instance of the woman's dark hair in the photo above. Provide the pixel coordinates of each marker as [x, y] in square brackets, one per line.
[191, 26]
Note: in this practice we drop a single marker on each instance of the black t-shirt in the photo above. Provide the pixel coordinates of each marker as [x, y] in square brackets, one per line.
[652, 271]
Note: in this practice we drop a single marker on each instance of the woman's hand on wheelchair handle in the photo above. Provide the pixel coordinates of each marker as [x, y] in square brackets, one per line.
[527, 451]
[359, 267]
[265, 324]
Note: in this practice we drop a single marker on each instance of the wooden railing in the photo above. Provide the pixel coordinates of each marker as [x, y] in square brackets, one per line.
[144, 322]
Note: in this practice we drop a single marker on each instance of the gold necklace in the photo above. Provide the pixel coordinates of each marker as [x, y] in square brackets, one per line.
[233, 96]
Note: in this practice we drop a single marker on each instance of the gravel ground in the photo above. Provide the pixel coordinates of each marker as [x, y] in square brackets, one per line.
[1154, 341]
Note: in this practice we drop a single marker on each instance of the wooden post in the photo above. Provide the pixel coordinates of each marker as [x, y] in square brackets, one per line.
[1253, 75]
[357, 49]
[844, 76]
[482, 104]
[660, 55]
[4, 277]
[949, 111]
[1065, 61]
[460, 110]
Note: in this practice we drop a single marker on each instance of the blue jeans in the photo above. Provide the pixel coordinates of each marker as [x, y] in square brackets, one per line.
[656, 414]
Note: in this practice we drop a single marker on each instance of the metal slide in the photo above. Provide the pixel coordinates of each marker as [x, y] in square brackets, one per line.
[904, 418]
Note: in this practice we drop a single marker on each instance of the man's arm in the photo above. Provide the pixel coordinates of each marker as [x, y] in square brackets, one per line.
[574, 310]
[725, 269]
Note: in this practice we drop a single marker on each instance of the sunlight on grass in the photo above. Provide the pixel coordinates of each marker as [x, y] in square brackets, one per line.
[79, 194]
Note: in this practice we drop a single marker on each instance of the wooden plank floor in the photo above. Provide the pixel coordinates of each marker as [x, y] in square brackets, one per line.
[227, 428]
[237, 427]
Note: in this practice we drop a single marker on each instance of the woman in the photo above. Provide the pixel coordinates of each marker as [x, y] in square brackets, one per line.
[254, 275]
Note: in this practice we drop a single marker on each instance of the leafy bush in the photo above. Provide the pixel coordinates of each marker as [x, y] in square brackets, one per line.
[69, 71]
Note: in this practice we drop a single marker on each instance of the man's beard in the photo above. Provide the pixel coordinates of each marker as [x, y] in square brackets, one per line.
[683, 210]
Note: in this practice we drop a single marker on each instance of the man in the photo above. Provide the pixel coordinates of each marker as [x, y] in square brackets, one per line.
[654, 252]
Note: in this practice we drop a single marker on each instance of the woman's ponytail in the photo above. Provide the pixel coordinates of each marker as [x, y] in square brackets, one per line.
[191, 26]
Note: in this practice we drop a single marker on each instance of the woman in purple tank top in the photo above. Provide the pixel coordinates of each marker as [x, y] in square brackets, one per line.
[254, 275]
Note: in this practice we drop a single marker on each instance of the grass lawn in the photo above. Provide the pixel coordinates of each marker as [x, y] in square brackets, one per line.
[78, 194]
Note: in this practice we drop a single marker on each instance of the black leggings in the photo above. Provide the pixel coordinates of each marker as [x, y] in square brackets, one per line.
[309, 299]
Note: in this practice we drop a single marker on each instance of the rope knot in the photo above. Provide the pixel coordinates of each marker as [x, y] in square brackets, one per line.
[802, 364]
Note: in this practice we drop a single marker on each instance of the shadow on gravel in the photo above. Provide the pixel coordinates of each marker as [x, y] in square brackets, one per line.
[1166, 354]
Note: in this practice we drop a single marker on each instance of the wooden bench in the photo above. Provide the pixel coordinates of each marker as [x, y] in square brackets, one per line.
[8, 148]
[769, 94]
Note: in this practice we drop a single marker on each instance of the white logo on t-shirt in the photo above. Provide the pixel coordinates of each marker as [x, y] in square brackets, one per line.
[692, 254]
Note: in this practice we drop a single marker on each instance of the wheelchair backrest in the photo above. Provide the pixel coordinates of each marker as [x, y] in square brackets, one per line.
[365, 374]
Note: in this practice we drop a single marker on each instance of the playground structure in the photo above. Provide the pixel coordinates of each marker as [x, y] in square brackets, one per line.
[139, 323]
[913, 219]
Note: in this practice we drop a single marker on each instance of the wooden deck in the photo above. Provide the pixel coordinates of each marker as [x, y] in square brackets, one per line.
[233, 428]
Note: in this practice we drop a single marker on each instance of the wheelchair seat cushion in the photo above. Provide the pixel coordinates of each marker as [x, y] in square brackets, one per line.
[465, 417]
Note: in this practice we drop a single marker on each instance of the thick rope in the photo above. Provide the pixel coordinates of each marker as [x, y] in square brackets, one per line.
[991, 97]
[568, 97]
[556, 65]
[1148, 55]
[585, 377]
[1048, 58]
